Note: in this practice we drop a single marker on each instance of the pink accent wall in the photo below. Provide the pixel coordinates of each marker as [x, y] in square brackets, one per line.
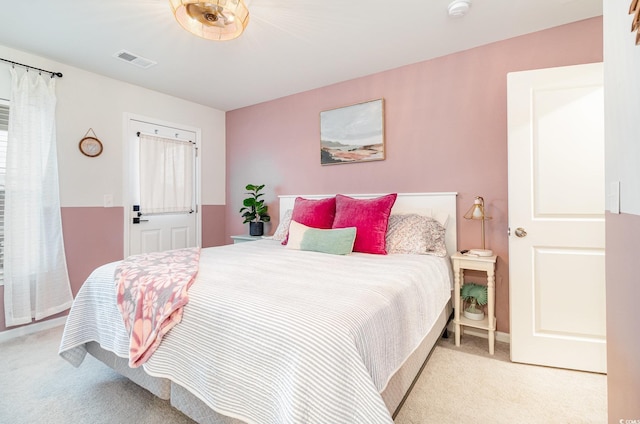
[623, 292]
[213, 233]
[445, 130]
[93, 236]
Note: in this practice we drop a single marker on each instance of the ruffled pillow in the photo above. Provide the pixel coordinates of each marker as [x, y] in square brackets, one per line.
[369, 216]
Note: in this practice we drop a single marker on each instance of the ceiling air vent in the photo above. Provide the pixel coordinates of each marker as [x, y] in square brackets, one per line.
[134, 59]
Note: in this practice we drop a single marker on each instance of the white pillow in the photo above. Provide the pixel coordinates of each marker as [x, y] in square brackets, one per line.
[283, 226]
[441, 216]
[415, 234]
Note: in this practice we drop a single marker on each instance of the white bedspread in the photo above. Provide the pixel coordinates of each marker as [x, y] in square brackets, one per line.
[275, 335]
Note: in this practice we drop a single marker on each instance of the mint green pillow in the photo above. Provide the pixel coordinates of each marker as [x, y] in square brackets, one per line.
[337, 241]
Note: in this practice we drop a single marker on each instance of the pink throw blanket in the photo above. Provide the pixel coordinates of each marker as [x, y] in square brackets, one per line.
[151, 291]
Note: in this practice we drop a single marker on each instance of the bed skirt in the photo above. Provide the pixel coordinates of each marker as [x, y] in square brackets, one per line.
[161, 387]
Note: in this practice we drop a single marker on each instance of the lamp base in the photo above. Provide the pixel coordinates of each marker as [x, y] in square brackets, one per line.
[481, 252]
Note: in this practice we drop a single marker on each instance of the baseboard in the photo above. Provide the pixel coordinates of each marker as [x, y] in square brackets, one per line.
[31, 328]
[500, 336]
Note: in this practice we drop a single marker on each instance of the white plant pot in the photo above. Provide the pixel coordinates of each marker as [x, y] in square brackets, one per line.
[476, 316]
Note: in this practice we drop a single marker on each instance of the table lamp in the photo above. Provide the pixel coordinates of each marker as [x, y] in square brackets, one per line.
[477, 212]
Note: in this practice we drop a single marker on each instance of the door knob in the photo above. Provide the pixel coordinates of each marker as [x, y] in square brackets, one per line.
[520, 232]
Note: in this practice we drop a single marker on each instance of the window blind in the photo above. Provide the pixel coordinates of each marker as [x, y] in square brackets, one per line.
[4, 128]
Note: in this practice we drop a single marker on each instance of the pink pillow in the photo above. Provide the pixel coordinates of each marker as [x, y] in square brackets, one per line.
[369, 216]
[313, 213]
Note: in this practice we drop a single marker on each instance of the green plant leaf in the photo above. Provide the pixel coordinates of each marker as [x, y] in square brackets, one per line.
[254, 209]
[474, 291]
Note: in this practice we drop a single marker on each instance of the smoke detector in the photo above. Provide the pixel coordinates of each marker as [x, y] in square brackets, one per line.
[458, 8]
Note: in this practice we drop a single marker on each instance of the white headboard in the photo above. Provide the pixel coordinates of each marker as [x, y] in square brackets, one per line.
[436, 204]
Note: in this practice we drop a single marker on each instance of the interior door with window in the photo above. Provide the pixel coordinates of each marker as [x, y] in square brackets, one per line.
[162, 185]
[556, 217]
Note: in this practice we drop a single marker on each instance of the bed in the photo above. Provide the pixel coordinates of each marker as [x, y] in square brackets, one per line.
[279, 335]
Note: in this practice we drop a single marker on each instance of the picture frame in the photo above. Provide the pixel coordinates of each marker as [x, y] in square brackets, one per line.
[352, 133]
[634, 9]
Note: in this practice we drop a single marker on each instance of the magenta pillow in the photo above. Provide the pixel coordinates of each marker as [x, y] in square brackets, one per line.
[370, 217]
[313, 213]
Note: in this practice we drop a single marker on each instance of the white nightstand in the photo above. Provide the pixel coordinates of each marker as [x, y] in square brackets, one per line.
[244, 238]
[476, 263]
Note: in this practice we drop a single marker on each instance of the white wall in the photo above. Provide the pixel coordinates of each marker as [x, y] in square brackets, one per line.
[622, 153]
[622, 105]
[87, 100]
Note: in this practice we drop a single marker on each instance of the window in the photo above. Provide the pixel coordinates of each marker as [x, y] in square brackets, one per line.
[4, 132]
[166, 175]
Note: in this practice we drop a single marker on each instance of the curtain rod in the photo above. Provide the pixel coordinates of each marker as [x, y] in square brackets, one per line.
[53, 74]
[138, 134]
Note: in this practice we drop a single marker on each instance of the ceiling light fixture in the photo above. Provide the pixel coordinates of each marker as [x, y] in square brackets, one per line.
[214, 19]
[458, 8]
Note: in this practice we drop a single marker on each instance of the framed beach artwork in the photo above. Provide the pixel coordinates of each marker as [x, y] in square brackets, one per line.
[352, 133]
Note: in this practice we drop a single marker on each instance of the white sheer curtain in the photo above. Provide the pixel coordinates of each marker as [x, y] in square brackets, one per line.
[36, 279]
[166, 175]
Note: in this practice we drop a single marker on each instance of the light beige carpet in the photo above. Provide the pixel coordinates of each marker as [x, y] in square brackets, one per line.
[467, 385]
[458, 385]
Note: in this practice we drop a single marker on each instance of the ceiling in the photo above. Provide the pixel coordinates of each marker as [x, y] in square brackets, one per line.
[290, 46]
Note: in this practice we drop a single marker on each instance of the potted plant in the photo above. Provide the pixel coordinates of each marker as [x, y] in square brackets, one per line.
[474, 294]
[254, 210]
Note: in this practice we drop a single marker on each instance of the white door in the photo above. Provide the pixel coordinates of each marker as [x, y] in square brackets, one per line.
[556, 217]
[149, 231]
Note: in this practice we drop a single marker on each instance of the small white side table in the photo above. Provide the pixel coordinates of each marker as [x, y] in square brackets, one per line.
[476, 263]
[244, 238]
